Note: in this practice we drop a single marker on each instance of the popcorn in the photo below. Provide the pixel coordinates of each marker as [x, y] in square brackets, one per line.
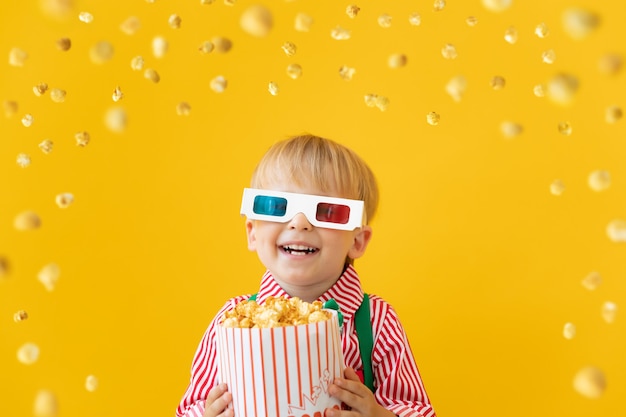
[28, 120]
[20, 315]
[590, 382]
[396, 60]
[275, 312]
[511, 35]
[303, 22]
[289, 48]
[273, 88]
[496, 6]
[497, 82]
[152, 75]
[432, 118]
[160, 45]
[218, 84]
[415, 19]
[449, 51]
[131, 25]
[27, 220]
[592, 281]
[206, 47]
[222, 44]
[85, 17]
[456, 87]
[352, 10]
[23, 160]
[294, 71]
[511, 129]
[616, 230]
[57, 95]
[46, 404]
[64, 200]
[346, 73]
[579, 23]
[565, 128]
[17, 57]
[82, 138]
[471, 21]
[439, 5]
[183, 108]
[64, 44]
[384, 21]
[28, 353]
[174, 21]
[541, 30]
[101, 52]
[137, 63]
[257, 20]
[40, 89]
[549, 56]
[91, 383]
[48, 276]
[557, 187]
[609, 311]
[569, 331]
[599, 180]
[613, 114]
[340, 33]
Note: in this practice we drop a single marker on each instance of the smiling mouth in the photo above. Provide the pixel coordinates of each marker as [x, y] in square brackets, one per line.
[298, 249]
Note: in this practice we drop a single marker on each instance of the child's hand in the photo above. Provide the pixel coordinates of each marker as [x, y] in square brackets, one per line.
[217, 401]
[355, 395]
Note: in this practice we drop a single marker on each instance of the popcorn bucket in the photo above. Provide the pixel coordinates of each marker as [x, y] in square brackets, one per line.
[281, 371]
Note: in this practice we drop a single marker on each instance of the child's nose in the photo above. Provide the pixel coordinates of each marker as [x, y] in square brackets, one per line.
[300, 222]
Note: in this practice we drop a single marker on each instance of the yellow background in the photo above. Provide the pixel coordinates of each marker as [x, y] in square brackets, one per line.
[482, 262]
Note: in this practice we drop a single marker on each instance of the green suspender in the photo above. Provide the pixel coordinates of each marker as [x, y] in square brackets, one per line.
[363, 326]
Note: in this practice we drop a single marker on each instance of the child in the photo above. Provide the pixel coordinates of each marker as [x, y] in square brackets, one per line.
[309, 254]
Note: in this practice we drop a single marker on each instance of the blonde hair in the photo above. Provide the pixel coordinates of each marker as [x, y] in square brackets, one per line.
[323, 163]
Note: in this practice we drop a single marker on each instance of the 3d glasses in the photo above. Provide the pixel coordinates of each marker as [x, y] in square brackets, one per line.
[320, 211]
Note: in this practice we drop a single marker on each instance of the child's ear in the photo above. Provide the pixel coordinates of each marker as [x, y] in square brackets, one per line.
[361, 239]
[250, 232]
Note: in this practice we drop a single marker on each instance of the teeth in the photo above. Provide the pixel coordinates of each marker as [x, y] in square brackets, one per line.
[299, 248]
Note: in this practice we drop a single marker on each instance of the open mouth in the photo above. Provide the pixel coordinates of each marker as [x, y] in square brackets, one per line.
[298, 249]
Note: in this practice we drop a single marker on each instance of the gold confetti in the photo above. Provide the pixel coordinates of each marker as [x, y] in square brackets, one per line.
[294, 71]
[137, 63]
[497, 82]
[152, 75]
[160, 46]
[415, 19]
[542, 30]
[116, 119]
[273, 88]
[289, 48]
[40, 89]
[27, 220]
[27, 120]
[58, 95]
[64, 44]
[569, 331]
[397, 60]
[17, 57]
[91, 383]
[511, 35]
[64, 200]
[471, 21]
[616, 230]
[222, 44]
[206, 47]
[562, 88]
[46, 146]
[20, 315]
[456, 87]
[613, 114]
[101, 52]
[511, 129]
[496, 6]
[10, 107]
[352, 11]
[218, 84]
[609, 311]
[303, 22]
[174, 21]
[85, 17]
[565, 128]
[28, 353]
[384, 21]
[439, 5]
[346, 73]
[82, 138]
[23, 160]
[449, 51]
[183, 108]
[592, 281]
[117, 94]
[257, 20]
[557, 187]
[599, 180]
[131, 25]
[610, 64]
[579, 23]
[433, 118]
[46, 404]
[49, 275]
[340, 33]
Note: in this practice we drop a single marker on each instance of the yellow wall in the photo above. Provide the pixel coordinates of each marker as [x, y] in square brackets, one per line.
[482, 261]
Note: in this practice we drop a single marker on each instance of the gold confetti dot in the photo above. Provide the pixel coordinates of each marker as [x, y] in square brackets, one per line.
[616, 230]
[219, 84]
[28, 353]
[117, 94]
[46, 404]
[511, 35]
[565, 128]
[456, 87]
[101, 52]
[222, 44]
[49, 275]
[174, 21]
[579, 23]
[557, 187]
[397, 60]
[439, 5]
[27, 120]
[433, 118]
[152, 75]
[346, 73]
[289, 48]
[471, 21]
[511, 129]
[91, 383]
[415, 19]
[449, 51]
[352, 11]
[27, 220]
[384, 21]
[116, 119]
[17, 57]
[85, 17]
[272, 87]
[609, 311]
[613, 114]
[40, 89]
[569, 331]
[592, 281]
[496, 5]
[160, 46]
[257, 20]
[137, 63]
[183, 108]
[57, 95]
[340, 33]
[23, 160]
[497, 82]
[539, 90]
[20, 315]
[64, 200]
[10, 107]
[303, 22]
[562, 88]
[131, 25]
[542, 30]
[82, 138]
[610, 64]
[294, 71]
[599, 180]
[206, 47]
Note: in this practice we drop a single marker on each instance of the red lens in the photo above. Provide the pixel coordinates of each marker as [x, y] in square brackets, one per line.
[333, 213]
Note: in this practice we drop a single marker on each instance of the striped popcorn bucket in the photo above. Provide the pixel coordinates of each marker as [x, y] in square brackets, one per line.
[281, 371]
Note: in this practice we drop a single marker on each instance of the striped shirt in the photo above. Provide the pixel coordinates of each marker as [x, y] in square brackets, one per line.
[398, 385]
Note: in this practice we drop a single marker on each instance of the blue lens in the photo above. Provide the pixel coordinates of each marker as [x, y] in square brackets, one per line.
[269, 206]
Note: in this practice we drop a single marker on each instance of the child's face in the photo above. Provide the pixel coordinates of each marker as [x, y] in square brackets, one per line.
[304, 259]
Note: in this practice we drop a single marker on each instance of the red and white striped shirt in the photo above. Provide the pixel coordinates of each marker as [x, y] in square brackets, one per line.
[398, 384]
